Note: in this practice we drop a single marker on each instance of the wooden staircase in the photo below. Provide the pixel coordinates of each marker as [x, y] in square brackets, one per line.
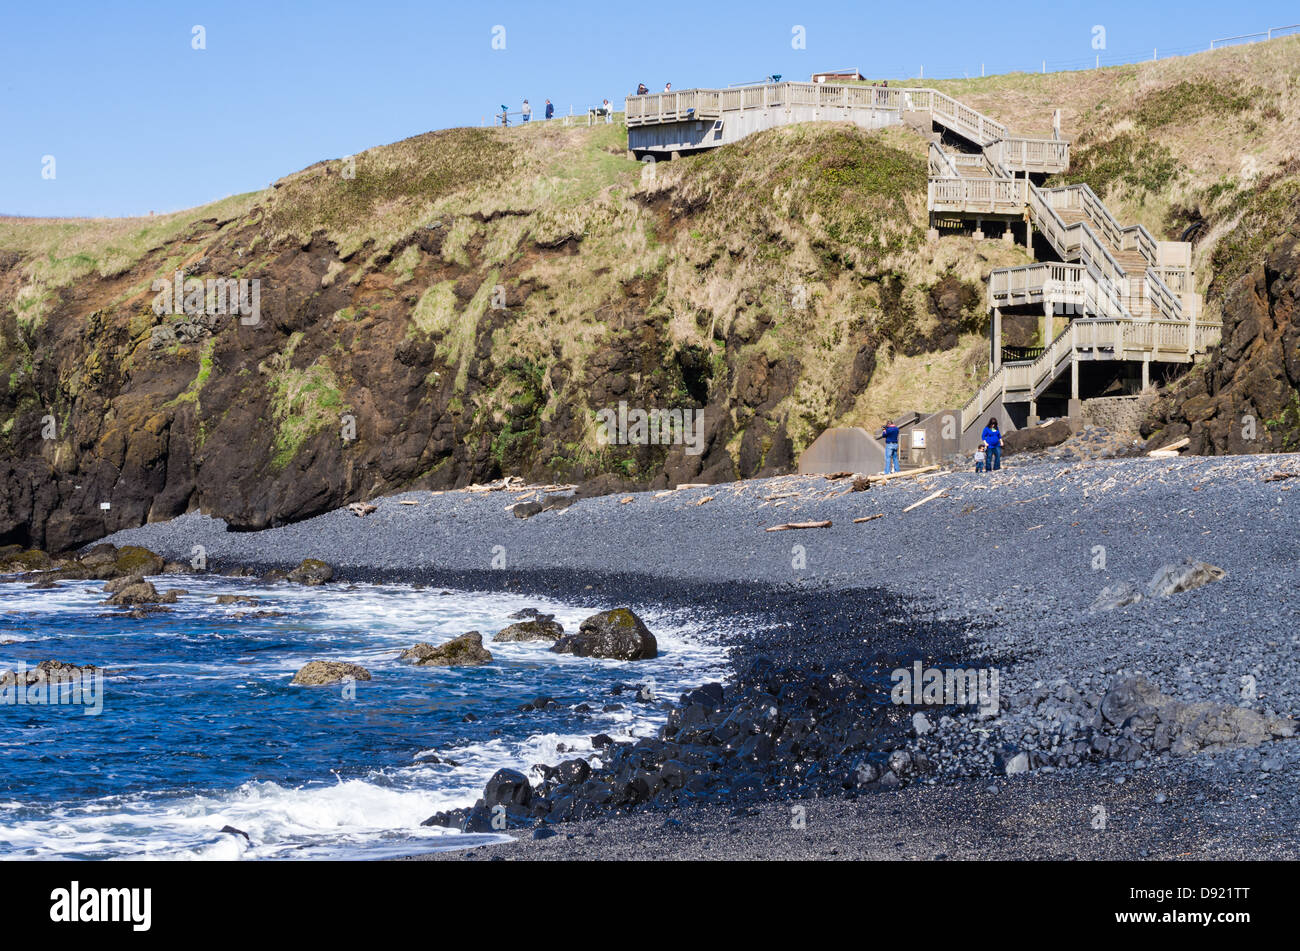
[1128, 297]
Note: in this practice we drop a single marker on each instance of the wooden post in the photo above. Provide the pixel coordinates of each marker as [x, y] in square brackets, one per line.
[1146, 372]
[1074, 375]
[1047, 323]
[995, 356]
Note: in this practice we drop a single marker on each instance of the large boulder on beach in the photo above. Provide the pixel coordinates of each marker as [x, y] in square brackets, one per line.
[507, 787]
[318, 673]
[618, 634]
[542, 628]
[1183, 576]
[1164, 723]
[464, 651]
[312, 571]
[1036, 438]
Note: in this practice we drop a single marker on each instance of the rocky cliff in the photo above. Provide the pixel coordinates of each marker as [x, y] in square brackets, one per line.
[457, 307]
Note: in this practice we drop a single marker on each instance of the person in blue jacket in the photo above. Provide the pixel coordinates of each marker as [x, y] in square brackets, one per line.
[890, 435]
[993, 438]
[550, 109]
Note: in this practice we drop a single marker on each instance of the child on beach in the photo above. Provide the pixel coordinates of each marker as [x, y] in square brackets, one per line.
[979, 457]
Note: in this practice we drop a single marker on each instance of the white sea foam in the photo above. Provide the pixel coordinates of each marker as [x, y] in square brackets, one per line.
[375, 816]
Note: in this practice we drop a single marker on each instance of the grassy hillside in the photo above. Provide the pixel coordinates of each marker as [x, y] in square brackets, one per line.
[1212, 137]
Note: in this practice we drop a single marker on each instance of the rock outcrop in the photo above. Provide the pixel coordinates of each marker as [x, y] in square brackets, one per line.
[1246, 397]
[312, 571]
[464, 651]
[319, 673]
[542, 628]
[618, 634]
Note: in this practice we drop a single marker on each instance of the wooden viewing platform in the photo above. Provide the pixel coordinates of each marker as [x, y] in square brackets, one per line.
[675, 122]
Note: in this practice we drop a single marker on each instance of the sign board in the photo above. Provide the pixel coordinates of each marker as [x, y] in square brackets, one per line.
[918, 439]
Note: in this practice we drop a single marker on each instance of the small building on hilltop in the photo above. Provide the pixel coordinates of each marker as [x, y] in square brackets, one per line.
[839, 76]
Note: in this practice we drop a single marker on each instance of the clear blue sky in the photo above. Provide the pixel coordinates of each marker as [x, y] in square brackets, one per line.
[137, 120]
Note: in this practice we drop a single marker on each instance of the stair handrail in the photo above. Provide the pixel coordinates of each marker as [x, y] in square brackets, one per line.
[1167, 302]
[945, 162]
[1091, 251]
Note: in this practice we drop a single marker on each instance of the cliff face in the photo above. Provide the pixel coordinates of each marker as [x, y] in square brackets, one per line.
[457, 307]
[1246, 397]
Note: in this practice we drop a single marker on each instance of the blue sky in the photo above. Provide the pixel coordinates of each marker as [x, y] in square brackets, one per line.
[138, 120]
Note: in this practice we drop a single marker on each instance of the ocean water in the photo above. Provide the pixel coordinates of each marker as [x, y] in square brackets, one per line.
[200, 727]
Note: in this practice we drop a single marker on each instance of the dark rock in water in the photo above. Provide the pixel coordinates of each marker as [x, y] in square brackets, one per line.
[464, 651]
[47, 671]
[507, 787]
[126, 581]
[141, 592]
[618, 634]
[524, 614]
[236, 599]
[534, 630]
[231, 830]
[312, 571]
[318, 673]
[469, 718]
[601, 740]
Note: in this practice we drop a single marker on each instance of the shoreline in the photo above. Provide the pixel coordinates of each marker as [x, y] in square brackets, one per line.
[1003, 564]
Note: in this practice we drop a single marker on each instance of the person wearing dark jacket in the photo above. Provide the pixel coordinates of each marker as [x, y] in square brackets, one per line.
[550, 109]
[993, 439]
[890, 435]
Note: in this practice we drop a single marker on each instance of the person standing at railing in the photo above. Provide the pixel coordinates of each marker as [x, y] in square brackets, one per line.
[642, 89]
[527, 111]
[609, 111]
[993, 440]
[889, 433]
[668, 87]
[550, 109]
